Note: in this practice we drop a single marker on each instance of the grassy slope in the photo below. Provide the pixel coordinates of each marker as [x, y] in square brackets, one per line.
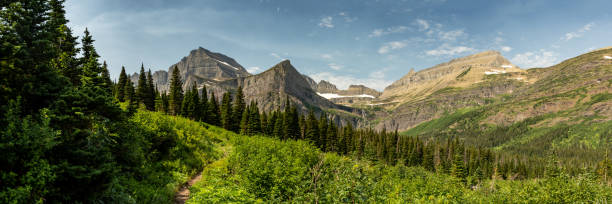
[564, 111]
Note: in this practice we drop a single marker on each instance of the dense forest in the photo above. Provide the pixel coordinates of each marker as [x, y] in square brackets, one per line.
[70, 134]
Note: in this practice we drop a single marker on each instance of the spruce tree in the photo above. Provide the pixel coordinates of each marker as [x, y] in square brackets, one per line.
[203, 109]
[213, 112]
[142, 91]
[312, 127]
[107, 84]
[176, 92]
[121, 84]
[458, 170]
[237, 110]
[150, 100]
[226, 111]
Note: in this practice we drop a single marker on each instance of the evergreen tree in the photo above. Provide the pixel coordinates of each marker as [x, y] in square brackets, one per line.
[203, 109]
[107, 84]
[237, 110]
[213, 112]
[121, 84]
[312, 127]
[458, 169]
[291, 122]
[150, 100]
[142, 91]
[176, 92]
[226, 111]
[165, 103]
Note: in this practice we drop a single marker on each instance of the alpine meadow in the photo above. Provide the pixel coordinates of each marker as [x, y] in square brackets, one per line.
[108, 101]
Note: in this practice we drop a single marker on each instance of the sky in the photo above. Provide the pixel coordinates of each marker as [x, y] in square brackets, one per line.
[370, 42]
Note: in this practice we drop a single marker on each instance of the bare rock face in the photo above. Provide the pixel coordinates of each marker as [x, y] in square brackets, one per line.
[460, 72]
[311, 82]
[326, 87]
[200, 67]
[359, 90]
[269, 89]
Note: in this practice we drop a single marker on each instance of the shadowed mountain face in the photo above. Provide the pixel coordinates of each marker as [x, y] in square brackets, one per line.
[201, 66]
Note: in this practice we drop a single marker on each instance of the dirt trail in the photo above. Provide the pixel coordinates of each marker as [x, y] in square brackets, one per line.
[183, 194]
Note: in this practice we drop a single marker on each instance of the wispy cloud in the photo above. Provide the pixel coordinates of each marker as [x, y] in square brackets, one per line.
[374, 80]
[506, 49]
[541, 58]
[346, 17]
[450, 35]
[327, 56]
[390, 30]
[275, 55]
[326, 22]
[446, 49]
[335, 66]
[394, 45]
[423, 24]
[578, 33]
[253, 70]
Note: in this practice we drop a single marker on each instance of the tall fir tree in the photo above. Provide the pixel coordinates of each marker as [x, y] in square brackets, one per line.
[121, 84]
[226, 111]
[150, 100]
[176, 92]
[203, 109]
[107, 84]
[142, 91]
[213, 112]
[237, 110]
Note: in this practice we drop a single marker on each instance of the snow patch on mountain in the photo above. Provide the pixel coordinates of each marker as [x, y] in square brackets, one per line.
[333, 95]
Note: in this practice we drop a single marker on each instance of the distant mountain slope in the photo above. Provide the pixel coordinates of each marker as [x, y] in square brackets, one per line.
[567, 109]
[461, 72]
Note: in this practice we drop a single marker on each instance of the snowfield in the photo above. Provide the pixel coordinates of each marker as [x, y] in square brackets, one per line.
[227, 64]
[333, 95]
[607, 57]
[493, 71]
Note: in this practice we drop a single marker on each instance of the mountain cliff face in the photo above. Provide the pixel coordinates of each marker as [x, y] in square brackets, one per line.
[461, 72]
[270, 89]
[201, 66]
[326, 87]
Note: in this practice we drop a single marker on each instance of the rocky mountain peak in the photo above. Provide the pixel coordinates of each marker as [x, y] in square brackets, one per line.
[326, 87]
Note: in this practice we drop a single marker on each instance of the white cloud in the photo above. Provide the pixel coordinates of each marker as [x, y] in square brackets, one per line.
[451, 35]
[327, 56]
[335, 66]
[499, 40]
[506, 49]
[275, 55]
[446, 49]
[343, 82]
[394, 45]
[253, 70]
[541, 58]
[578, 33]
[423, 24]
[326, 22]
[390, 30]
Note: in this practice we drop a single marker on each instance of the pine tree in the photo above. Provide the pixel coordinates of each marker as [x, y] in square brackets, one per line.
[291, 121]
[107, 84]
[142, 91]
[150, 100]
[176, 92]
[226, 111]
[237, 110]
[203, 109]
[458, 169]
[165, 103]
[254, 119]
[312, 127]
[121, 84]
[91, 69]
[213, 112]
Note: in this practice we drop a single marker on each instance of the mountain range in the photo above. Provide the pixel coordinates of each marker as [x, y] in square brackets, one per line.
[478, 80]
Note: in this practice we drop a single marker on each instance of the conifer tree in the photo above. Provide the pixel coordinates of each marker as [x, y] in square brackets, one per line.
[150, 100]
[254, 124]
[312, 127]
[165, 102]
[458, 170]
[213, 112]
[176, 92]
[237, 110]
[203, 109]
[107, 84]
[226, 111]
[121, 84]
[142, 91]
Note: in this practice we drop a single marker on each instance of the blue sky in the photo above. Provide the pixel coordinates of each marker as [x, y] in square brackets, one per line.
[372, 42]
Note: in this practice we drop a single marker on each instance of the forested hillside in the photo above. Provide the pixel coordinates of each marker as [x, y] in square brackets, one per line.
[69, 134]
